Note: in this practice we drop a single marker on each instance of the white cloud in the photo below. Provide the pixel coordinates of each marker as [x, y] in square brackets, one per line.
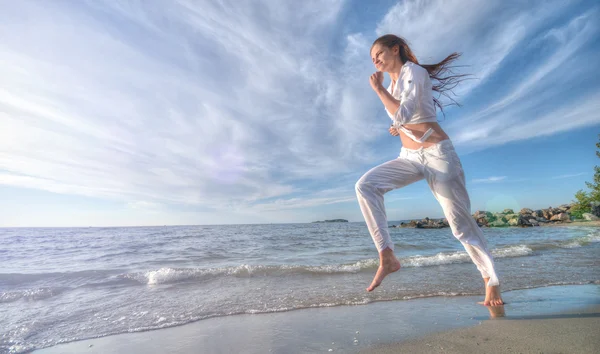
[246, 108]
[195, 103]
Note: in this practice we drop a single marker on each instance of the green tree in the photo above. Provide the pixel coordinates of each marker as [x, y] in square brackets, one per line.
[585, 199]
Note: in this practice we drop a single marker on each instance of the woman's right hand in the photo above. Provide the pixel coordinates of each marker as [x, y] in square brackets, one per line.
[394, 131]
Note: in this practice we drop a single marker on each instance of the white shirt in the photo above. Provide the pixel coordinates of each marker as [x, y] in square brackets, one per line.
[414, 91]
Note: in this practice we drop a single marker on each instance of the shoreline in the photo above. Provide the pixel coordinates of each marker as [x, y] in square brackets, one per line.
[378, 327]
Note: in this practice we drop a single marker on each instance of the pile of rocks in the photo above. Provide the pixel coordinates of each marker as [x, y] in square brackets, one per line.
[426, 223]
[524, 218]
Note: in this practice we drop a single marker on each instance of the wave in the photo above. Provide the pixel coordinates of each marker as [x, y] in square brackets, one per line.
[43, 285]
[174, 275]
[575, 242]
[30, 294]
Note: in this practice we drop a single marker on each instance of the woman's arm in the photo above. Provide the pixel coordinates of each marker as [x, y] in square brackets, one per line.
[390, 103]
[403, 108]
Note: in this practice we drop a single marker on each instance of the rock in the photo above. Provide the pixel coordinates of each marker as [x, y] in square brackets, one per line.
[590, 217]
[498, 223]
[542, 219]
[501, 217]
[537, 213]
[480, 214]
[560, 217]
[513, 222]
[534, 222]
[522, 221]
[526, 211]
[508, 211]
[482, 222]
[546, 213]
[566, 207]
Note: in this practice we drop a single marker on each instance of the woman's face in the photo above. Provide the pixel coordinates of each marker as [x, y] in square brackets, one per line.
[385, 59]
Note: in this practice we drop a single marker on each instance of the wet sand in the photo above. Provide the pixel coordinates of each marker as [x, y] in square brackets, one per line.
[575, 331]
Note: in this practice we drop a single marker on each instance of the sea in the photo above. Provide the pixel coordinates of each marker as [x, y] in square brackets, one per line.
[60, 285]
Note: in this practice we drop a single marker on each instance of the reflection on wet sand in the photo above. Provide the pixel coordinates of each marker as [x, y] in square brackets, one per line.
[496, 311]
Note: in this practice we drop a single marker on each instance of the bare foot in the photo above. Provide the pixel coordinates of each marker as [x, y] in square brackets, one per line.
[492, 295]
[388, 263]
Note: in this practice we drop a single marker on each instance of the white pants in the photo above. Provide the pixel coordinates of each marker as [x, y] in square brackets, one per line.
[440, 166]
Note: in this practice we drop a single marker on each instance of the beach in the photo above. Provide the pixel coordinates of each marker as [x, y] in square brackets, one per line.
[282, 288]
[558, 319]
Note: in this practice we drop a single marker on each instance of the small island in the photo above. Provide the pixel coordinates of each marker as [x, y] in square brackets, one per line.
[334, 220]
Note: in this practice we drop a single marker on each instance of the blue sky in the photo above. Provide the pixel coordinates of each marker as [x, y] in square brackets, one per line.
[217, 112]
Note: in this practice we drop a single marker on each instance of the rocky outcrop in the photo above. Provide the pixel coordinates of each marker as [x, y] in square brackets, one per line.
[426, 223]
[524, 218]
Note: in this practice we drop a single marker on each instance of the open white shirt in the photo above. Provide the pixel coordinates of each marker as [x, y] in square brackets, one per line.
[414, 91]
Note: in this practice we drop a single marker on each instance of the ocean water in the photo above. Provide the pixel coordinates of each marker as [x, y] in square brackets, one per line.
[64, 284]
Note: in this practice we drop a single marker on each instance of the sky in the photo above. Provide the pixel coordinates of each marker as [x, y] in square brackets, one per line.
[181, 112]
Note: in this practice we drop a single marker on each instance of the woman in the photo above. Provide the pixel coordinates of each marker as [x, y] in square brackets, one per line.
[426, 153]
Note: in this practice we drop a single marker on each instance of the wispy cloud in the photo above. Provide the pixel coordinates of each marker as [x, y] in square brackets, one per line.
[569, 175]
[491, 179]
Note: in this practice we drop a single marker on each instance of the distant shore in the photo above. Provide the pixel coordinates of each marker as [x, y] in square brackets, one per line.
[333, 220]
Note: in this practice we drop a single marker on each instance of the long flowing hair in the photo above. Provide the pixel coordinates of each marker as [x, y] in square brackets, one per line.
[444, 80]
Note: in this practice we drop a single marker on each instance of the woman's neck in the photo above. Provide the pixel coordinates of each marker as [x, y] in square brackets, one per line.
[395, 74]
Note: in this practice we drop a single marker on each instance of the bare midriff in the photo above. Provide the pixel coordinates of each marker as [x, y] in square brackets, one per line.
[418, 130]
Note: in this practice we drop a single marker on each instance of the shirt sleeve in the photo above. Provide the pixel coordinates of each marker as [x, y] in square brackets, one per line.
[414, 82]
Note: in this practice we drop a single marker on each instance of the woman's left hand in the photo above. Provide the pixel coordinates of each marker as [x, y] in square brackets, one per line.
[376, 80]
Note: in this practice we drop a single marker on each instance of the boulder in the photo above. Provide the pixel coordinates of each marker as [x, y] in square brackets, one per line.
[522, 221]
[513, 222]
[542, 219]
[526, 211]
[508, 211]
[538, 213]
[501, 217]
[546, 213]
[565, 207]
[480, 214]
[590, 217]
[560, 217]
[498, 223]
[533, 222]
